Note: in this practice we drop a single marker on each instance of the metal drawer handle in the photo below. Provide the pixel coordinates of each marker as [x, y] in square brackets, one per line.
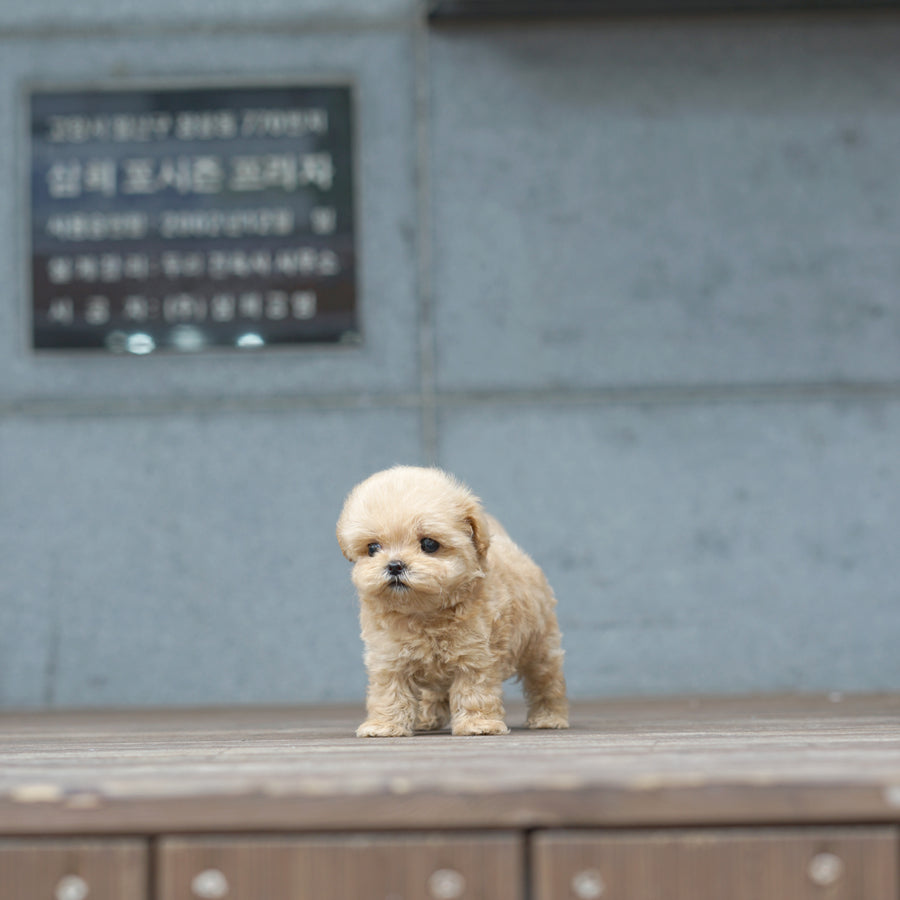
[588, 884]
[825, 869]
[72, 887]
[446, 884]
[211, 884]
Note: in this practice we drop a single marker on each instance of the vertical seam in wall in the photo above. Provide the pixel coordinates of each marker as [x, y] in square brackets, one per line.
[51, 662]
[427, 350]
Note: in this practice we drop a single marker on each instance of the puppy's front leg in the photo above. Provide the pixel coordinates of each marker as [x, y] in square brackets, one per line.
[476, 705]
[391, 705]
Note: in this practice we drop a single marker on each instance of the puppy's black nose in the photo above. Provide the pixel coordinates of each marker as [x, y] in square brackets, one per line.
[395, 567]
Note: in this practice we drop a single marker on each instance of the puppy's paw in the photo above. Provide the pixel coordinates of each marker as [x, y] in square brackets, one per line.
[431, 722]
[373, 728]
[547, 719]
[434, 712]
[479, 725]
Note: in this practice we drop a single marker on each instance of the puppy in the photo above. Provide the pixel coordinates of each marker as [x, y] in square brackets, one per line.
[450, 608]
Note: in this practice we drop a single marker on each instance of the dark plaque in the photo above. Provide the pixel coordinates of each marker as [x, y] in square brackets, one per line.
[186, 219]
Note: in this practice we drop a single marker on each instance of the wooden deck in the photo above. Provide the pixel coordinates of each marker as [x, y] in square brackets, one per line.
[736, 761]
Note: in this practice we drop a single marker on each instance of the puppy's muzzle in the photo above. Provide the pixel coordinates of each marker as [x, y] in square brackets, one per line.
[396, 569]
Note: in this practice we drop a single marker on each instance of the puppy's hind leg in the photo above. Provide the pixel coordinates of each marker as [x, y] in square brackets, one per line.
[544, 683]
[434, 710]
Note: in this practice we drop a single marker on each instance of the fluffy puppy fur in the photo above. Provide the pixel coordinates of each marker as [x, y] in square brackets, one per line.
[450, 608]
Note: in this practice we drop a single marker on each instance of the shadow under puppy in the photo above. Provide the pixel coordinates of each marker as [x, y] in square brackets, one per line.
[450, 608]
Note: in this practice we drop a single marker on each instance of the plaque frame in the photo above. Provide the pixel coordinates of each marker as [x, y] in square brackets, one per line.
[29, 88]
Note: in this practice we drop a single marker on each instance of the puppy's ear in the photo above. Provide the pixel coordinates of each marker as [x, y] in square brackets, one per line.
[344, 548]
[343, 538]
[481, 533]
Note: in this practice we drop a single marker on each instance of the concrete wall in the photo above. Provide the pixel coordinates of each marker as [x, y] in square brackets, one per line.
[638, 282]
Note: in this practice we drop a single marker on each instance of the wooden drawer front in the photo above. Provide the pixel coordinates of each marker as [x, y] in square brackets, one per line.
[774, 864]
[438, 867]
[73, 870]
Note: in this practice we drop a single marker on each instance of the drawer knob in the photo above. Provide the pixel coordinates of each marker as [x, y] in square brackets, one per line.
[825, 869]
[588, 884]
[72, 887]
[446, 884]
[211, 884]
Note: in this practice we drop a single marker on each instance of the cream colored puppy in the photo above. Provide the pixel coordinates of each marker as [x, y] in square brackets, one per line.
[450, 608]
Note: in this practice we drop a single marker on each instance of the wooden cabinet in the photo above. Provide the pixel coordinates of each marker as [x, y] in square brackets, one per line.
[728, 799]
[73, 870]
[410, 867]
[850, 863]
[739, 864]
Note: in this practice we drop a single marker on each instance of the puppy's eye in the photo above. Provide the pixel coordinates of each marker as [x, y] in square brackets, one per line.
[429, 545]
[373, 548]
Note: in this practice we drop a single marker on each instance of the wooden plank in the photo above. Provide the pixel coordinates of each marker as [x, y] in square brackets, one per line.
[777, 760]
[419, 867]
[796, 864]
[73, 870]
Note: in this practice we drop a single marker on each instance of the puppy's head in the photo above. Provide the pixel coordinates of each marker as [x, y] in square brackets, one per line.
[417, 538]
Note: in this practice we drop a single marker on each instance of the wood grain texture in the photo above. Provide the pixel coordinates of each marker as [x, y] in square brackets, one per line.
[785, 864]
[419, 867]
[740, 761]
[108, 870]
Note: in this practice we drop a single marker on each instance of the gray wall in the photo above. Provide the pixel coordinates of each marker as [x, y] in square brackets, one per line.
[638, 282]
